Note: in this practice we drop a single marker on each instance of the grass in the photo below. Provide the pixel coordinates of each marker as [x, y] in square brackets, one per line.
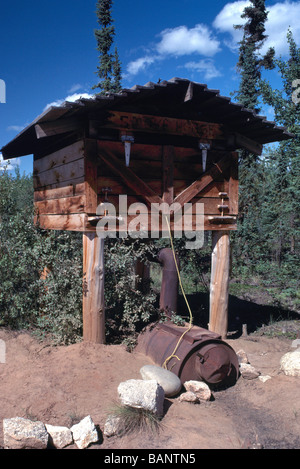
[132, 420]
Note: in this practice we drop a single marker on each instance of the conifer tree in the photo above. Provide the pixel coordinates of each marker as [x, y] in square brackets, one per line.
[249, 65]
[285, 201]
[250, 62]
[109, 69]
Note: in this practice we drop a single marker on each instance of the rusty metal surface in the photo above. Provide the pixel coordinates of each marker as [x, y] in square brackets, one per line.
[201, 354]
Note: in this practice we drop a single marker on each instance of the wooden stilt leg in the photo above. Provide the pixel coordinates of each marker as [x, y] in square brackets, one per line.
[220, 267]
[93, 289]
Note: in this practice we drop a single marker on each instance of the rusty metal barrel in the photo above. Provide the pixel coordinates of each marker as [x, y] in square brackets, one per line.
[200, 355]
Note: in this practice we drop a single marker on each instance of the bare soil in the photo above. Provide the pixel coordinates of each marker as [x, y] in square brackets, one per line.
[61, 385]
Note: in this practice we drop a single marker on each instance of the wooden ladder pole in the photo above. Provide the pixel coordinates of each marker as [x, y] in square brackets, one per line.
[219, 285]
[93, 289]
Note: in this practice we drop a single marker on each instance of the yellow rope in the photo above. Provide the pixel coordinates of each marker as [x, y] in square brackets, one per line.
[184, 295]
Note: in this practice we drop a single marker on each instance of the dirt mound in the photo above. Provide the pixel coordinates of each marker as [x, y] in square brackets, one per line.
[61, 385]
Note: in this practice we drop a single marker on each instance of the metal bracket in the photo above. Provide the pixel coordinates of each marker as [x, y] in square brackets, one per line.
[127, 140]
[204, 147]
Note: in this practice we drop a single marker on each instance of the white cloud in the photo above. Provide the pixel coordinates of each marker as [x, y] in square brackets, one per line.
[177, 42]
[75, 88]
[71, 98]
[183, 41]
[136, 66]
[9, 164]
[229, 16]
[206, 67]
[282, 15]
[15, 128]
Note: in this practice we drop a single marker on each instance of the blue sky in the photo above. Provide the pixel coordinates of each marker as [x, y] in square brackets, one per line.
[48, 49]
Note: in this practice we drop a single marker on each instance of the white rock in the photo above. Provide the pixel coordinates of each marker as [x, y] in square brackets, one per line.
[290, 363]
[264, 378]
[111, 426]
[85, 433]
[60, 437]
[295, 343]
[188, 396]
[170, 382]
[199, 388]
[248, 371]
[20, 433]
[140, 394]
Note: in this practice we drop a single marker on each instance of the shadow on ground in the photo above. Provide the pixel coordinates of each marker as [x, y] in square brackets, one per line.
[239, 312]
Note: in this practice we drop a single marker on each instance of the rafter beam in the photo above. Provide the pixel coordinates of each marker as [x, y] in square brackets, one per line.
[60, 126]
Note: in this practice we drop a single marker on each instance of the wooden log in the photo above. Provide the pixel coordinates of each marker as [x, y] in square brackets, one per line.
[162, 125]
[93, 305]
[219, 285]
[60, 191]
[72, 222]
[63, 206]
[64, 173]
[58, 158]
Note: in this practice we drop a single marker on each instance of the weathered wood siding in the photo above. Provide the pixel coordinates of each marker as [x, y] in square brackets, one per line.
[60, 189]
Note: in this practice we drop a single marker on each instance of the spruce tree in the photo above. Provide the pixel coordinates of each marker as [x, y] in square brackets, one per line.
[250, 62]
[285, 201]
[109, 69]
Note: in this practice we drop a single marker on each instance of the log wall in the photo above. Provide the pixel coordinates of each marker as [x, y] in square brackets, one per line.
[70, 183]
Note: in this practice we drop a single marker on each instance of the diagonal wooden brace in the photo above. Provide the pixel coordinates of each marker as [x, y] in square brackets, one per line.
[199, 185]
[128, 176]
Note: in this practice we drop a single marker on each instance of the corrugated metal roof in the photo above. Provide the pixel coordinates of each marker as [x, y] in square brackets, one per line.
[177, 98]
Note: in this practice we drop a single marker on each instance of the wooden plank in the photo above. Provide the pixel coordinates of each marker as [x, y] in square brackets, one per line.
[199, 185]
[57, 127]
[63, 173]
[118, 187]
[244, 142]
[168, 174]
[219, 285]
[91, 226]
[138, 150]
[211, 190]
[233, 186]
[210, 204]
[63, 156]
[90, 170]
[162, 125]
[93, 305]
[59, 191]
[73, 222]
[63, 206]
[128, 176]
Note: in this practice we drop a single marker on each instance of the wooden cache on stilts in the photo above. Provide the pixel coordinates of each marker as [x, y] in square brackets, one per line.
[170, 143]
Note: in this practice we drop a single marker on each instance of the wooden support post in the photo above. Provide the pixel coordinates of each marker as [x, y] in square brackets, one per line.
[93, 289]
[220, 267]
[143, 271]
